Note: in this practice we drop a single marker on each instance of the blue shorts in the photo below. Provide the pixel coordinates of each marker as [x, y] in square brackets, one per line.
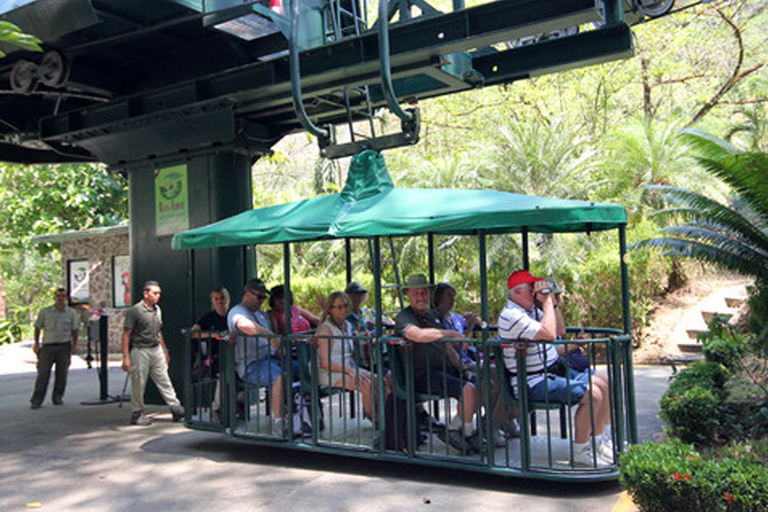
[560, 389]
[265, 372]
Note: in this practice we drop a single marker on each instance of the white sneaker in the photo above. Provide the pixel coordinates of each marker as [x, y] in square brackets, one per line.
[605, 447]
[277, 427]
[499, 438]
[587, 458]
[512, 428]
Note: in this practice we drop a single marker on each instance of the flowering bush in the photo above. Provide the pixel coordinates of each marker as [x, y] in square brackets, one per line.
[675, 477]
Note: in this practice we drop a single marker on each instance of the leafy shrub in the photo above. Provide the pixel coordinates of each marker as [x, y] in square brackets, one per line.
[707, 374]
[722, 344]
[693, 415]
[10, 332]
[674, 477]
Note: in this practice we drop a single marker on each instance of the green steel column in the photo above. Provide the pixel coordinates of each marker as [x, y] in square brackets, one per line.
[614, 12]
[219, 185]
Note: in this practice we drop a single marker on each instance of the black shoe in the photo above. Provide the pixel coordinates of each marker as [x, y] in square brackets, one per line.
[58, 401]
[34, 406]
[465, 445]
[178, 413]
[139, 418]
[429, 423]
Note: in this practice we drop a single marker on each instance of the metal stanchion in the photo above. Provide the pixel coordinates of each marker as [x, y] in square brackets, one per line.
[98, 332]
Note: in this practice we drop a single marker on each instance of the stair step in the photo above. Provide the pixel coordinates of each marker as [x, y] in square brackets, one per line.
[734, 302]
[689, 348]
[694, 333]
[708, 316]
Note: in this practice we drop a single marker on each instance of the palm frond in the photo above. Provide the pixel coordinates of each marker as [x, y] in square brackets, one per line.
[678, 248]
[721, 241]
[745, 171]
[700, 209]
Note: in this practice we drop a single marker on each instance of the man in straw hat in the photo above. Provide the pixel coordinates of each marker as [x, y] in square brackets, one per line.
[420, 325]
[531, 314]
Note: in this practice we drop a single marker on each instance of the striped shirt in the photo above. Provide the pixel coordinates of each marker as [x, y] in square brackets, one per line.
[517, 324]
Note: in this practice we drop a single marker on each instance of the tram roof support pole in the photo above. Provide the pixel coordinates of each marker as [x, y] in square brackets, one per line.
[431, 256]
[526, 256]
[348, 258]
[287, 286]
[376, 257]
[483, 267]
[629, 370]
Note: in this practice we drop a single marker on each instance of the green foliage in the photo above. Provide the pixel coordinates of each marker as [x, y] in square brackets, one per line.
[674, 477]
[706, 374]
[722, 344]
[692, 416]
[49, 199]
[10, 332]
[691, 404]
[29, 281]
[11, 34]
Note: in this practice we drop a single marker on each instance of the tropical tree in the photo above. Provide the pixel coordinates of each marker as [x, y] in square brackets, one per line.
[733, 237]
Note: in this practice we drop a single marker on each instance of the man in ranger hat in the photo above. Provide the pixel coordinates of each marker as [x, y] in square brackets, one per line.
[420, 325]
[531, 314]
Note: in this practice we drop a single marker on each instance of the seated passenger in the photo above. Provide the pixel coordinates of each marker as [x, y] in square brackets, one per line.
[548, 378]
[420, 325]
[214, 321]
[363, 319]
[576, 358]
[444, 299]
[301, 319]
[335, 355]
[256, 358]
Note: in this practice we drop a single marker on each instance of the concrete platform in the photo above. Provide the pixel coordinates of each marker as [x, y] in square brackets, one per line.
[87, 458]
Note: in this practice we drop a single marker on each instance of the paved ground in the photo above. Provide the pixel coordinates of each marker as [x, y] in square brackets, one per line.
[86, 458]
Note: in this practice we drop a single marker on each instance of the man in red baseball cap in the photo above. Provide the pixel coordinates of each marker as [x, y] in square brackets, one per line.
[531, 316]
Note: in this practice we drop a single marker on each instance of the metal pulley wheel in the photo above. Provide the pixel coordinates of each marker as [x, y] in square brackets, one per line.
[655, 8]
[23, 76]
[53, 70]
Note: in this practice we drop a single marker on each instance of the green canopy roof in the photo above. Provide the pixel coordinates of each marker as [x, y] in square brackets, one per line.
[370, 205]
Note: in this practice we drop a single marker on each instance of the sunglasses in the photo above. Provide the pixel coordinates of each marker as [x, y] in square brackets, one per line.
[258, 295]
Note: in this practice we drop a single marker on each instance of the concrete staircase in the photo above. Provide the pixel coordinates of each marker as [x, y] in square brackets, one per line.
[726, 302]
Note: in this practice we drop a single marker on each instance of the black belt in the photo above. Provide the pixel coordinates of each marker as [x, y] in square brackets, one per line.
[146, 346]
[56, 344]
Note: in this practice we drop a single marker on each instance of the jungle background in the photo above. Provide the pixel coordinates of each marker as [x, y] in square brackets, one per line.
[601, 133]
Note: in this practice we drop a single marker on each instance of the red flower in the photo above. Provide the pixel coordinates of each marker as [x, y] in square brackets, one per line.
[687, 476]
[729, 497]
[693, 459]
[677, 476]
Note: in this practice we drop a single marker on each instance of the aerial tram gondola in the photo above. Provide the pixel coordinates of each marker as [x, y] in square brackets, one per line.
[371, 208]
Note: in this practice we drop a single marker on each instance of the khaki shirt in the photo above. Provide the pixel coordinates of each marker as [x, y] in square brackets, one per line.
[145, 324]
[57, 325]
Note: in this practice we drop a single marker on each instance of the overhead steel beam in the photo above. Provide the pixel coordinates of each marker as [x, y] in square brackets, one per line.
[264, 84]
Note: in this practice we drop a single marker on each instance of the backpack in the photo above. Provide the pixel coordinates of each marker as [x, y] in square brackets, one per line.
[395, 423]
[302, 412]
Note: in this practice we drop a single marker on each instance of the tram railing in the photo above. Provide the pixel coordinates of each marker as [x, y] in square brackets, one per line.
[340, 422]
